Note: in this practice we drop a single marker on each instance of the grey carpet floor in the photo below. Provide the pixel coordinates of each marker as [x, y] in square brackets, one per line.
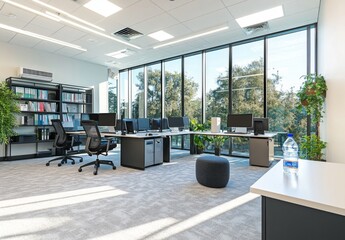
[162, 202]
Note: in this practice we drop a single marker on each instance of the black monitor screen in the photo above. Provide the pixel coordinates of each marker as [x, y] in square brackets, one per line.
[176, 122]
[240, 120]
[165, 123]
[264, 122]
[129, 126]
[143, 124]
[106, 119]
[155, 124]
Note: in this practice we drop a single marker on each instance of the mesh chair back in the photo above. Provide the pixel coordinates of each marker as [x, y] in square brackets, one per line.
[60, 132]
[92, 132]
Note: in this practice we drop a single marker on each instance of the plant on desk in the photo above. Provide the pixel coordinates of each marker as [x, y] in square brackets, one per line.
[9, 107]
[199, 140]
[218, 142]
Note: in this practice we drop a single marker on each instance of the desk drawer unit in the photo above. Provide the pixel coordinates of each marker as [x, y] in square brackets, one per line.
[141, 152]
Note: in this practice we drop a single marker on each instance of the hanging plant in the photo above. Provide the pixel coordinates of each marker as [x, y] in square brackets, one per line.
[312, 96]
[9, 107]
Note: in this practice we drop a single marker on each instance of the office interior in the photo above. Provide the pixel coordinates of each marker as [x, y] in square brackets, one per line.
[319, 21]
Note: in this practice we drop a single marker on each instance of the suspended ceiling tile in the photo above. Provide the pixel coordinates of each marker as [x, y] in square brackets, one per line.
[195, 9]
[211, 20]
[6, 36]
[136, 13]
[68, 34]
[154, 24]
[24, 41]
[169, 5]
[69, 52]
[232, 2]
[48, 46]
[252, 6]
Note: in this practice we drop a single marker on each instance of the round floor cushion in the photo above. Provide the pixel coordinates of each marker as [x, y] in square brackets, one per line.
[212, 171]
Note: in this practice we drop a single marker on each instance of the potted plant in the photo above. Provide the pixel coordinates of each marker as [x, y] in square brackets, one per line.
[312, 95]
[9, 107]
[199, 140]
[218, 142]
[311, 147]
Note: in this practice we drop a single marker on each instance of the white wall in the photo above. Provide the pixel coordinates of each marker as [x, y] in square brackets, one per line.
[65, 70]
[331, 64]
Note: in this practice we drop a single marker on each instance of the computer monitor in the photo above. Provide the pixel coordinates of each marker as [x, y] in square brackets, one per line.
[176, 122]
[165, 124]
[155, 124]
[264, 122]
[240, 122]
[130, 125]
[143, 124]
[106, 119]
[186, 122]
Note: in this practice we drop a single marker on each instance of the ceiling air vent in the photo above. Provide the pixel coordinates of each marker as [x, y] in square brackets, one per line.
[256, 28]
[128, 34]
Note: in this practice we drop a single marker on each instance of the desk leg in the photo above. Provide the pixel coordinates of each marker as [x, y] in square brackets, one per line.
[166, 149]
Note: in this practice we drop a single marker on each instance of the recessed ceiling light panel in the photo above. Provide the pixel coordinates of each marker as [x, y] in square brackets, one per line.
[161, 36]
[121, 54]
[102, 7]
[260, 17]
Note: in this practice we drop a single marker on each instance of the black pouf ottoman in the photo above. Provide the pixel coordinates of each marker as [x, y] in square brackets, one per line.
[212, 171]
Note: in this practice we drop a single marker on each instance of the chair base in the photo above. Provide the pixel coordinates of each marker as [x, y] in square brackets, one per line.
[64, 160]
[96, 164]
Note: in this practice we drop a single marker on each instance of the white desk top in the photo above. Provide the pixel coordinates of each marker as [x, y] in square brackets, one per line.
[230, 134]
[318, 185]
[137, 135]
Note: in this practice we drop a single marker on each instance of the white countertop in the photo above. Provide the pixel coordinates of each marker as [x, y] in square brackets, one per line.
[318, 185]
[233, 134]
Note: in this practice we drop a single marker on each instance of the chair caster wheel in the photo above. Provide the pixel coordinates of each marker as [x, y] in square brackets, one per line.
[114, 167]
[47, 164]
[80, 169]
[94, 172]
[81, 160]
[73, 162]
[59, 165]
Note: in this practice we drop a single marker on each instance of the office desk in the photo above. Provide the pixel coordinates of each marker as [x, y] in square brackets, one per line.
[261, 147]
[142, 149]
[310, 205]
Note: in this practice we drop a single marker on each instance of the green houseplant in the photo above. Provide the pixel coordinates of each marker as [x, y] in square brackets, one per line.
[199, 140]
[312, 96]
[218, 142]
[9, 107]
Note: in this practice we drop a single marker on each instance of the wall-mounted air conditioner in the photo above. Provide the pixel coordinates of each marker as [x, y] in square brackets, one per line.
[35, 74]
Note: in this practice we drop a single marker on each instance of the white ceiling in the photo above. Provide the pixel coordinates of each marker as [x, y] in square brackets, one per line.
[180, 18]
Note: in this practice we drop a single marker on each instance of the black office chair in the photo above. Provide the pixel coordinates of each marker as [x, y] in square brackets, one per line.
[95, 146]
[62, 142]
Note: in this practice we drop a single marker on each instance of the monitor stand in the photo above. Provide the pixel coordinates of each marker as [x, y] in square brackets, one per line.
[240, 130]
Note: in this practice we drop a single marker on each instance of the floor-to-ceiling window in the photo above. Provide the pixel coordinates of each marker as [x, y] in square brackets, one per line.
[247, 86]
[265, 75]
[154, 87]
[286, 63]
[192, 90]
[112, 94]
[173, 93]
[138, 93]
[217, 84]
[193, 87]
[172, 88]
[123, 95]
